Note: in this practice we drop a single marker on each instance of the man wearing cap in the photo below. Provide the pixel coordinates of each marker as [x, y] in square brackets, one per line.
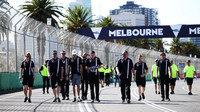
[93, 64]
[124, 71]
[55, 73]
[173, 79]
[154, 77]
[65, 82]
[163, 66]
[189, 72]
[85, 81]
[28, 71]
[77, 74]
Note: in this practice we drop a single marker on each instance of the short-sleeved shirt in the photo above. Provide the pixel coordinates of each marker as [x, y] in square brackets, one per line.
[174, 71]
[163, 66]
[140, 68]
[125, 67]
[65, 63]
[55, 67]
[27, 67]
[93, 62]
[75, 65]
[154, 69]
[189, 70]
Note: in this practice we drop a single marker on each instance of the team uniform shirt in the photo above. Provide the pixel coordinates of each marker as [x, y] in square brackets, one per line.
[27, 68]
[189, 70]
[75, 65]
[93, 62]
[140, 69]
[174, 71]
[163, 67]
[55, 67]
[65, 63]
[125, 67]
[154, 69]
[84, 69]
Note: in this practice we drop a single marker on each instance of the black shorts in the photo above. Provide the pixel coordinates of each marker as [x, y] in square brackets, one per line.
[55, 81]
[155, 80]
[189, 81]
[101, 75]
[28, 80]
[173, 81]
[141, 81]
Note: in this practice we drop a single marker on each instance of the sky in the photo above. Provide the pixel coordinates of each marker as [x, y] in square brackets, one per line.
[170, 12]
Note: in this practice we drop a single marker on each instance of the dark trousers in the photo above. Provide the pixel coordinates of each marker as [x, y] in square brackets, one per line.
[94, 82]
[45, 79]
[84, 87]
[107, 79]
[117, 79]
[164, 81]
[125, 88]
[65, 88]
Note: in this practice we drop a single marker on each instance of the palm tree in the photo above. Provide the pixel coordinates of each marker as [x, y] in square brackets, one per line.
[106, 22]
[158, 44]
[190, 48]
[4, 21]
[79, 17]
[41, 10]
[176, 46]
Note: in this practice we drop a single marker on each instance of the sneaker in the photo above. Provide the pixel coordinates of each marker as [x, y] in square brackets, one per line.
[190, 93]
[79, 100]
[123, 101]
[92, 101]
[167, 99]
[156, 92]
[83, 98]
[63, 98]
[74, 100]
[29, 100]
[43, 92]
[55, 100]
[140, 98]
[25, 99]
[47, 92]
[128, 101]
[143, 97]
[102, 86]
[163, 99]
[172, 92]
[59, 100]
[67, 98]
[98, 100]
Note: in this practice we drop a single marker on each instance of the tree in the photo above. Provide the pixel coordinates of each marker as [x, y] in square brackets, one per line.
[176, 46]
[4, 23]
[41, 10]
[158, 44]
[79, 17]
[190, 48]
[106, 22]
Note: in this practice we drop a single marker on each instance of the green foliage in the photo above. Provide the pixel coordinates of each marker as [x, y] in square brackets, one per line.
[79, 17]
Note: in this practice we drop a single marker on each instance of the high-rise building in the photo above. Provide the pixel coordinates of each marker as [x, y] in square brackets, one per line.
[130, 19]
[149, 13]
[83, 3]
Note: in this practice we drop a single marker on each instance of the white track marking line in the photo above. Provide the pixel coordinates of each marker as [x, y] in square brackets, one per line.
[151, 103]
[80, 107]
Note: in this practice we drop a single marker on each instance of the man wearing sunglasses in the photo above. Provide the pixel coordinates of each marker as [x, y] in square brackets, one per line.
[124, 69]
[55, 72]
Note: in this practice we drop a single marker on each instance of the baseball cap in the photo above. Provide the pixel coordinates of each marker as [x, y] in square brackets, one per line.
[74, 52]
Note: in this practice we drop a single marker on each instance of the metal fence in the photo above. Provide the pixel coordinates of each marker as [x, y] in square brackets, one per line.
[20, 34]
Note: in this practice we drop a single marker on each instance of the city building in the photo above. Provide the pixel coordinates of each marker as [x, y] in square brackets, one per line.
[131, 19]
[149, 13]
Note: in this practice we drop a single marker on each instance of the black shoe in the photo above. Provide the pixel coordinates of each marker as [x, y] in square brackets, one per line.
[74, 100]
[163, 99]
[190, 93]
[67, 98]
[102, 86]
[128, 101]
[43, 92]
[83, 98]
[143, 97]
[140, 98]
[63, 98]
[25, 99]
[59, 100]
[123, 101]
[86, 98]
[167, 99]
[55, 100]
[79, 100]
[156, 92]
[47, 92]
[29, 100]
[92, 101]
[98, 100]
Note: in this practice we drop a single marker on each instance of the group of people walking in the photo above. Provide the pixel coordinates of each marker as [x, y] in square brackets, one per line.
[88, 70]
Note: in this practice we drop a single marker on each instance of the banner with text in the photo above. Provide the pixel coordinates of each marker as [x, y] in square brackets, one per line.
[141, 32]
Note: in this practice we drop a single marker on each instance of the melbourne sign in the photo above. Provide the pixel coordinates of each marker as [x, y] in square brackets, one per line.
[141, 32]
